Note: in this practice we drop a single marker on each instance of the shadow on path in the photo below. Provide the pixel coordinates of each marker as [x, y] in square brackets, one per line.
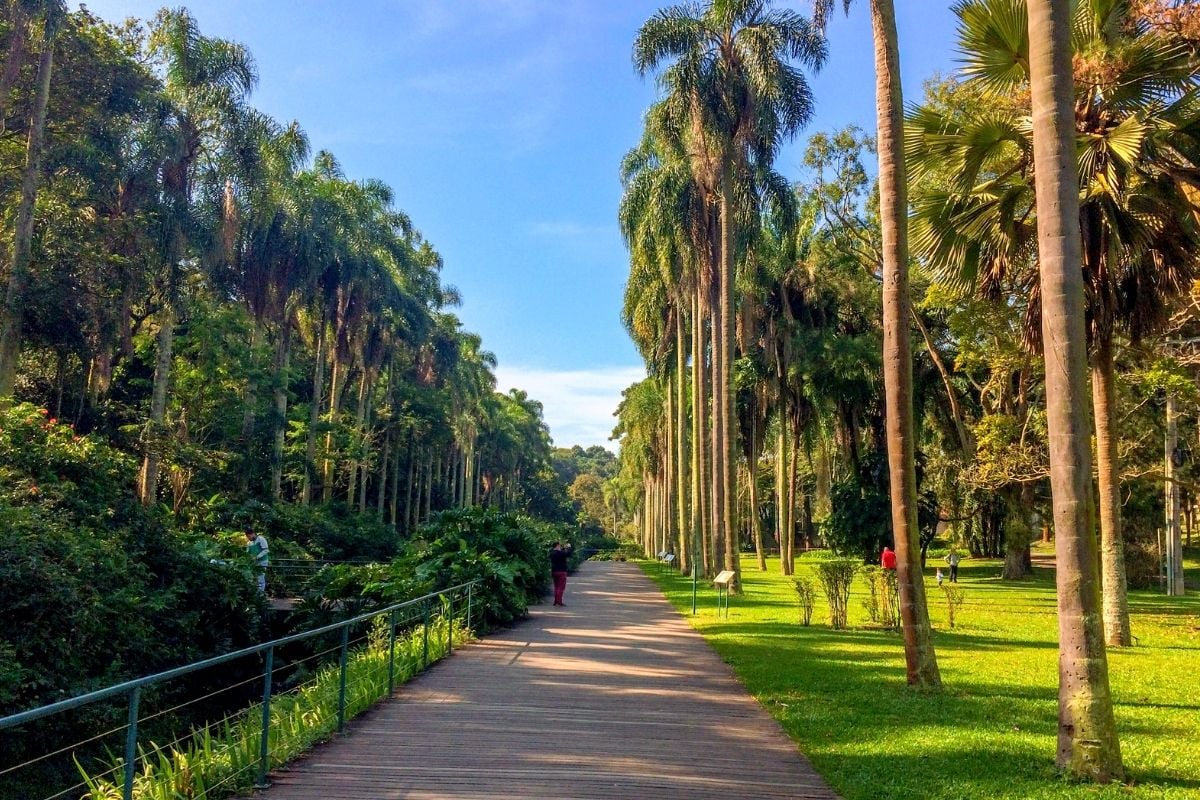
[612, 696]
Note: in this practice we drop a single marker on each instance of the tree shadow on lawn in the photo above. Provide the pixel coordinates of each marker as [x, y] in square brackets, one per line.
[873, 637]
[950, 773]
[848, 692]
[841, 695]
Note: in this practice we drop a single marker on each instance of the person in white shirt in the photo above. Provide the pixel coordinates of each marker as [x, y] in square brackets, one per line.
[256, 545]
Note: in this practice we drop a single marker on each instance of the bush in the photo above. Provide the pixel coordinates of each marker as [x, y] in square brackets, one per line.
[1143, 567]
[806, 595]
[954, 598]
[836, 577]
[859, 522]
[506, 552]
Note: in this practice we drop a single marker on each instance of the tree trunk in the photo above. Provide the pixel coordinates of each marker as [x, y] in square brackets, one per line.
[1087, 734]
[919, 656]
[700, 472]
[756, 531]
[1174, 542]
[410, 520]
[782, 498]
[686, 552]
[360, 430]
[249, 407]
[792, 465]
[283, 362]
[1112, 544]
[13, 316]
[727, 477]
[1018, 562]
[384, 465]
[148, 480]
[394, 511]
[670, 500]
[314, 416]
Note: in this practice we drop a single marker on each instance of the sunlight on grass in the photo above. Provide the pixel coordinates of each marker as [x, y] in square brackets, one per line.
[842, 697]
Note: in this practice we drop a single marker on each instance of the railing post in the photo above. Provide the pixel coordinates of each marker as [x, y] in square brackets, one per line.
[425, 635]
[264, 752]
[342, 682]
[135, 697]
[470, 586]
[449, 617]
[392, 653]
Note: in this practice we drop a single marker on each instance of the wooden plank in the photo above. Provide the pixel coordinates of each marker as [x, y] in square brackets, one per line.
[612, 696]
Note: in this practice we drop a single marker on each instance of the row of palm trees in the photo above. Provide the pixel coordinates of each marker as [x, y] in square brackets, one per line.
[738, 331]
[170, 207]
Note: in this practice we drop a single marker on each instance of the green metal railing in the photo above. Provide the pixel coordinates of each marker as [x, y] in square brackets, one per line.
[449, 599]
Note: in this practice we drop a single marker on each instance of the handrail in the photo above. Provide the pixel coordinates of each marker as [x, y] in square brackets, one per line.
[138, 683]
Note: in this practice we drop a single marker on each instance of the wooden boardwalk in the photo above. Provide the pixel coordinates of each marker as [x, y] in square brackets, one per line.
[613, 696]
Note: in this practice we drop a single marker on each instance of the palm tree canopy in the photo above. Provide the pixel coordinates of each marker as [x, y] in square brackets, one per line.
[1137, 114]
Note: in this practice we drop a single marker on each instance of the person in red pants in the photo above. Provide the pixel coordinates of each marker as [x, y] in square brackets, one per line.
[558, 569]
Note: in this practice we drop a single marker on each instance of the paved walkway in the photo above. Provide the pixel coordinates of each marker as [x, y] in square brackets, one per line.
[613, 696]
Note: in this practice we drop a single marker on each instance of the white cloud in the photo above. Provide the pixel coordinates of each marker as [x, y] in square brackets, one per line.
[572, 230]
[578, 404]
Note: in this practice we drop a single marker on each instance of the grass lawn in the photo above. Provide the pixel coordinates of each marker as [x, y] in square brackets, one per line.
[991, 733]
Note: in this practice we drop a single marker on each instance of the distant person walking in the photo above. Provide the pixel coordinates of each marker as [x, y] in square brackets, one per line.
[256, 545]
[952, 560]
[558, 569]
[888, 559]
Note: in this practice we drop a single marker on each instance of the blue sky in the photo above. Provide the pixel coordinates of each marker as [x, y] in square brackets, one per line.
[501, 125]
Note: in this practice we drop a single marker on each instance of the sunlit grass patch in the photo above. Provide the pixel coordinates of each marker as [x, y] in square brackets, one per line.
[841, 695]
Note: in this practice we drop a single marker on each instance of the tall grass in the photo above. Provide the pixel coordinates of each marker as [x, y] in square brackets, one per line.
[222, 759]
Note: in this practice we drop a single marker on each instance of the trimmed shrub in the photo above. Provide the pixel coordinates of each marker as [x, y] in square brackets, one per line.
[806, 596]
[836, 577]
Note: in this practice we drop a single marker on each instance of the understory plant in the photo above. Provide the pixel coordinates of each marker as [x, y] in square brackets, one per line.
[836, 576]
[806, 595]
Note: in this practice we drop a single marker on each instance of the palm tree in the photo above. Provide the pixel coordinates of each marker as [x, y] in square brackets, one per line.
[733, 90]
[1087, 734]
[919, 655]
[13, 312]
[1136, 127]
[204, 82]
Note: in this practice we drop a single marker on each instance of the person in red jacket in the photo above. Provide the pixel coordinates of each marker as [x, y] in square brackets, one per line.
[558, 570]
[888, 559]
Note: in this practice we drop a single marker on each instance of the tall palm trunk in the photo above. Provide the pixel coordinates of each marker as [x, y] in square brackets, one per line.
[670, 500]
[410, 520]
[1087, 734]
[756, 532]
[681, 454]
[1112, 545]
[1174, 541]
[250, 405]
[393, 511]
[360, 430]
[385, 464]
[784, 530]
[148, 479]
[283, 356]
[14, 299]
[314, 416]
[700, 497]
[716, 505]
[728, 473]
[920, 660]
[337, 378]
[428, 487]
